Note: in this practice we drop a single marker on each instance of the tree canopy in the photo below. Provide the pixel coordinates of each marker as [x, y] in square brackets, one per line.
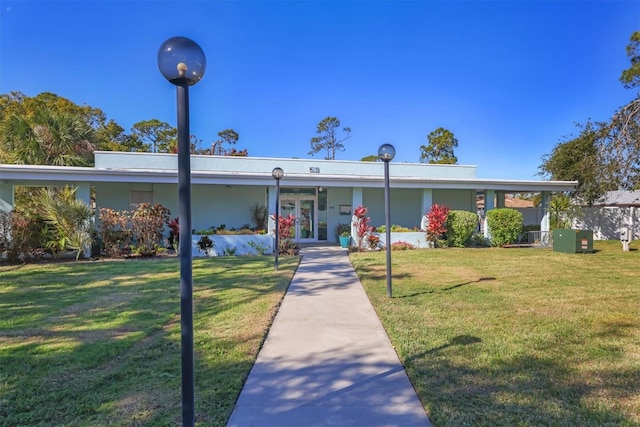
[328, 130]
[50, 129]
[157, 135]
[370, 158]
[229, 137]
[46, 137]
[440, 148]
[577, 159]
[630, 77]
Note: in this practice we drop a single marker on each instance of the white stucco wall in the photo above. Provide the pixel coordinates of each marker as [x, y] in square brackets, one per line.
[112, 159]
[531, 215]
[606, 222]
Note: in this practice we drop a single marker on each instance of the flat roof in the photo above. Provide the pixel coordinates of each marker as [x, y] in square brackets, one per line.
[399, 177]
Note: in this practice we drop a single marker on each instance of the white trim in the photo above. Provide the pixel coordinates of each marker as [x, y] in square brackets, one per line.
[36, 174]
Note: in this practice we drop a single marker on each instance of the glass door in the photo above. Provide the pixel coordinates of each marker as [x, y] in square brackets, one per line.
[307, 219]
[304, 208]
[288, 206]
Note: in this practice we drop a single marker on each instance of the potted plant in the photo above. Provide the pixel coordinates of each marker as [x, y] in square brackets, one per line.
[344, 239]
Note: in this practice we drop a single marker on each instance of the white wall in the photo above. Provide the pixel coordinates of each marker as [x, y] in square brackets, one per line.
[531, 216]
[607, 221]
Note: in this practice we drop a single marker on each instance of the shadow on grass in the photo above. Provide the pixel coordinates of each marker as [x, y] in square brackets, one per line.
[520, 390]
[481, 279]
[99, 343]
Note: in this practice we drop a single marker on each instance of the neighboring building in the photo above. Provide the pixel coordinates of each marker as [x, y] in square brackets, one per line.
[530, 213]
[616, 211]
[320, 193]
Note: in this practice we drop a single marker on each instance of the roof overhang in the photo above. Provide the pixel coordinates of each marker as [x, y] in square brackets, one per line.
[41, 175]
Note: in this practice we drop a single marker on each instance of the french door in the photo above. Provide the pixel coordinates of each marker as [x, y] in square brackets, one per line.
[305, 209]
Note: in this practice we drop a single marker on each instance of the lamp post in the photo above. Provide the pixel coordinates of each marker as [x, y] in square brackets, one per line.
[386, 153]
[182, 62]
[277, 173]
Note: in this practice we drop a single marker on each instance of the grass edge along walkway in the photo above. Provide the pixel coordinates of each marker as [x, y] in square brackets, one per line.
[98, 343]
[515, 336]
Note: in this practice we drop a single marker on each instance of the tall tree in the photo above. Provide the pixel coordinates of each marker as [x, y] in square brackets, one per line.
[48, 137]
[630, 77]
[229, 137]
[108, 135]
[578, 159]
[112, 137]
[329, 140]
[620, 147]
[440, 148]
[157, 135]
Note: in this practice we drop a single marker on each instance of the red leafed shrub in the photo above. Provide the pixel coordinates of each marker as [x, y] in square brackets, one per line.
[286, 228]
[437, 223]
[374, 241]
[361, 224]
[174, 232]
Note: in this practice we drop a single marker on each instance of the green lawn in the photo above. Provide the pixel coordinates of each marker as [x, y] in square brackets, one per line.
[98, 343]
[515, 337]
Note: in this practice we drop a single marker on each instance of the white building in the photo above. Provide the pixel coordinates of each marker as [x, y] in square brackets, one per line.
[320, 193]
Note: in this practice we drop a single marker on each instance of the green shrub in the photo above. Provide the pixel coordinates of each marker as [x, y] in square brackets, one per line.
[395, 228]
[505, 225]
[460, 227]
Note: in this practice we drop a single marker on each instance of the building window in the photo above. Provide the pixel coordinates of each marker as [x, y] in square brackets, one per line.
[138, 197]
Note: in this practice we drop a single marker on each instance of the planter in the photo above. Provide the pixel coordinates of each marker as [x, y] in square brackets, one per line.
[344, 241]
[236, 244]
[416, 238]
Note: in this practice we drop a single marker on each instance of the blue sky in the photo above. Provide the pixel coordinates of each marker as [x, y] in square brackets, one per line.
[509, 78]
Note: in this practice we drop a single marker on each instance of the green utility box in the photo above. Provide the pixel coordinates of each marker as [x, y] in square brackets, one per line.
[573, 241]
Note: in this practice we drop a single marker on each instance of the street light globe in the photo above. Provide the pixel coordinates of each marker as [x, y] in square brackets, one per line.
[277, 173]
[386, 152]
[181, 61]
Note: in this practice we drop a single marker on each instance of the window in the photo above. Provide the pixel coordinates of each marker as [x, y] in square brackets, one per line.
[138, 197]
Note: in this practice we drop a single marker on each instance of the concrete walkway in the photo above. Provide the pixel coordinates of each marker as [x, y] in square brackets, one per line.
[327, 361]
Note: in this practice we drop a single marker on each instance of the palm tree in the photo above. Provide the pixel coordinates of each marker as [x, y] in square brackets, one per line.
[48, 137]
[69, 217]
[561, 209]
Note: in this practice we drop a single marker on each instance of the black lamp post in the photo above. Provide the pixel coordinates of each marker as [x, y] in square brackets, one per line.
[386, 153]
[182, 62]
[277, 173]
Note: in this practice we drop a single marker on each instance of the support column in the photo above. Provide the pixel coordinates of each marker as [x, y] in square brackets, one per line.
[356, 200]
[544, 204]
[427, 202]
[500, 203]
[489, 196]
[6, 197]
[271, 209]
[356, 197]
[83, 192]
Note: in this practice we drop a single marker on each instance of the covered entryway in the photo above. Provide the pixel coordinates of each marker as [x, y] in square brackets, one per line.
[304, 207]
